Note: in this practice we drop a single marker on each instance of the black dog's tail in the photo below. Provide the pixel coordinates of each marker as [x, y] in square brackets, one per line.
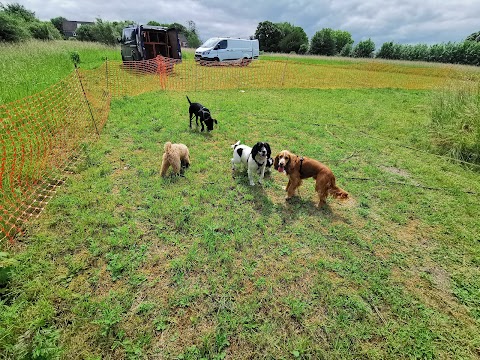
[188, 100]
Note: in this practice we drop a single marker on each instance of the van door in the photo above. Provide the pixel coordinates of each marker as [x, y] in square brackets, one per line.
[129, 44]
[221, 48]
[139, 44]
[238, 49]
[255, 49]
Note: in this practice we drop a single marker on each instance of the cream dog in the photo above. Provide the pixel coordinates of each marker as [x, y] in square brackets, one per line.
[176, 156]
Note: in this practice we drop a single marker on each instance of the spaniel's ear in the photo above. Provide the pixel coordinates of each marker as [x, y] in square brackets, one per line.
[275, 162]
[255, 149]
[292, 161]
[269, 152]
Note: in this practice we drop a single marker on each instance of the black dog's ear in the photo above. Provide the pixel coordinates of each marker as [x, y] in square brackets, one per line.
[255, 149]
[269, 152]
[275, 163]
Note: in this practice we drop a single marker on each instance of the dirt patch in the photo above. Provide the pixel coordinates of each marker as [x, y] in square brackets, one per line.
[438, 296]
[439, 277]
[395, 171]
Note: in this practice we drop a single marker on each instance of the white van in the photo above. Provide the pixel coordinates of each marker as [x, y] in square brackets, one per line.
[220, 49]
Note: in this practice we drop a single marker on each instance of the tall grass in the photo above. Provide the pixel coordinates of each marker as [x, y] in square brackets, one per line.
[32, 66]
[456, 121]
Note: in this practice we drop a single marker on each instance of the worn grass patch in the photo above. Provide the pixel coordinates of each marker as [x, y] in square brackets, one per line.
[125, 264]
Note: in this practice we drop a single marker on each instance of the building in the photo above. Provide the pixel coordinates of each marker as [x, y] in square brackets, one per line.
[183, 40]
[69, 28]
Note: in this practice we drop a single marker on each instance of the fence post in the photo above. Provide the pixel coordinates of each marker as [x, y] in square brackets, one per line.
[106, 72]
[284, 71]
[195, 75]
[86, 100]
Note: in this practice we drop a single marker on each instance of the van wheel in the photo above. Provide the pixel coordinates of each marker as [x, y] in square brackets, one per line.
[216, 59]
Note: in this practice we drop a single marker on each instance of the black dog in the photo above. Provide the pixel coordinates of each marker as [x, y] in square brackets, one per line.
[201, 112]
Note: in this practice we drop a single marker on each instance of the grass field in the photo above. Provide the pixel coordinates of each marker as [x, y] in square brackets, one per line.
[125, 264]
[31, 67]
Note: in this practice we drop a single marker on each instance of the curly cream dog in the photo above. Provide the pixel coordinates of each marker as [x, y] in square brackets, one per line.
[298, 168]
[176, 156]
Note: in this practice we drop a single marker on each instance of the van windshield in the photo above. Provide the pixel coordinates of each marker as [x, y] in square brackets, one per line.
[128, 34]
[210, 43]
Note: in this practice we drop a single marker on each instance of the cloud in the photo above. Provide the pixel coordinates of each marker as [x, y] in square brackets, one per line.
[400, 21]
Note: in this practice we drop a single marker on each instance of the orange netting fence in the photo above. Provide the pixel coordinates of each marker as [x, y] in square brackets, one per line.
[42, 136]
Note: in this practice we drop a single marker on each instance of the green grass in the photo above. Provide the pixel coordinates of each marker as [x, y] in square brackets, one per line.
[125, 264]
[33, 66]
[456, 122]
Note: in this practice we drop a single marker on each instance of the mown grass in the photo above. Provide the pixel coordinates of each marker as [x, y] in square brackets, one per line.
[125, 264]
[33, 66]
[268, 74]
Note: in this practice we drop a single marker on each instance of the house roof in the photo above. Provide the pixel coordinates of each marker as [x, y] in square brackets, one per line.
[68, 25]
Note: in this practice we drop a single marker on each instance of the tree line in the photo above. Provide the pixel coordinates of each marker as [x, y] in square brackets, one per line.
[19, 24]
[287, 38]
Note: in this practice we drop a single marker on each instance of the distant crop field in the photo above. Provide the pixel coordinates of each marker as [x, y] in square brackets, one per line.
[125, 264]
[33, 66]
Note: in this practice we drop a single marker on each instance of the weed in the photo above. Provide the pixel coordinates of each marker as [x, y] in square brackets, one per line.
[7, 263]
[109, 315]
[75, 57]
[45, 344]
[297, 308]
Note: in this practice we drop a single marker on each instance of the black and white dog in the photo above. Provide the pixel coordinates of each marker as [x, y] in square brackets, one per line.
[258, 159]
[201, 112]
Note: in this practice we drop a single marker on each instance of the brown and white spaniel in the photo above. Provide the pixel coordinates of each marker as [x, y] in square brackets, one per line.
[298, 168]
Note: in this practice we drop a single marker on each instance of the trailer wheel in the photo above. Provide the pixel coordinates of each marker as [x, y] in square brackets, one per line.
[216, 59]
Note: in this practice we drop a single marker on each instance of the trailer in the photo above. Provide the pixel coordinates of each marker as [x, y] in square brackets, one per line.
[144, 42]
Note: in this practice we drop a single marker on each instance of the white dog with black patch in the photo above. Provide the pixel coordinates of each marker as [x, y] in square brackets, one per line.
[257, 159]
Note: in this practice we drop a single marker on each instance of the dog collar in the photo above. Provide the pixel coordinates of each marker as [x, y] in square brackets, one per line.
[250, 155]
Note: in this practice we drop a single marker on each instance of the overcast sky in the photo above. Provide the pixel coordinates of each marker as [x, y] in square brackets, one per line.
[400, 21]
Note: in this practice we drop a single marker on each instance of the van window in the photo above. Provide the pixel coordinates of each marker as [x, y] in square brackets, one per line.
[209, 43]
[222, 44]
[128, 35]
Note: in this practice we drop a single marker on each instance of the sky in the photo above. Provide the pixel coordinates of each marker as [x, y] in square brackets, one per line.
[400, 21]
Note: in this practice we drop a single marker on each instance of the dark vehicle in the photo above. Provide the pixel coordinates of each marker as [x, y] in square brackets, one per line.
[143, 42]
